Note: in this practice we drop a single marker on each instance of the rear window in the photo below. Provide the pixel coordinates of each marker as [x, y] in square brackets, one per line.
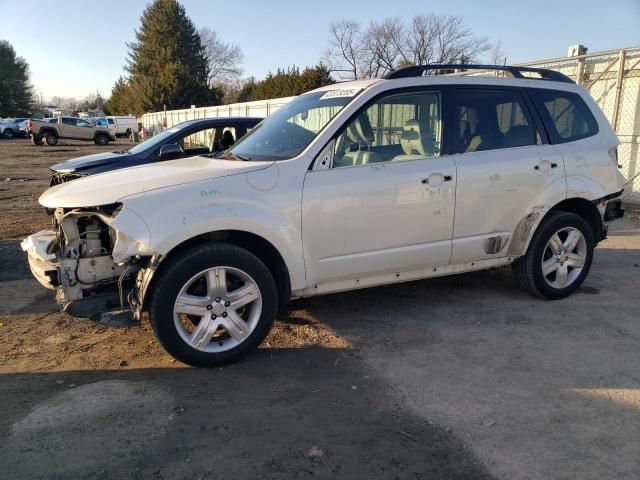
[566, 115]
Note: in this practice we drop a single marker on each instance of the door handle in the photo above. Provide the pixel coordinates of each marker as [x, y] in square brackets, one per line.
[551, 164]
[446, 178]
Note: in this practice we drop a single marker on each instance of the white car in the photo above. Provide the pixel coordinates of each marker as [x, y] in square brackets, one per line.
[352, 185]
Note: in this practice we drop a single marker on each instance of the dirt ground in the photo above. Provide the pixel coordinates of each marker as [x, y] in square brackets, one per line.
[459, 377]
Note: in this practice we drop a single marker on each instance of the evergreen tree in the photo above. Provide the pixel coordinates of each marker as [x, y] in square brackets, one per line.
[286, 83]
[16, 96]
[120, 101]
[167, 63]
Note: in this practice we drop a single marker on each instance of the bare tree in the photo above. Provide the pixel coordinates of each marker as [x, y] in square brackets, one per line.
[497, 55]
[345, 48]
[391, 44]
[383, 47]
[224, 59]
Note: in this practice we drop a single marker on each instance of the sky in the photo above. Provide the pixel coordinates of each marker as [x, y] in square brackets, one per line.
[79, 47]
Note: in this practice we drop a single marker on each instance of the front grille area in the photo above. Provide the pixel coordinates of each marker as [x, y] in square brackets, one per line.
[58, 178]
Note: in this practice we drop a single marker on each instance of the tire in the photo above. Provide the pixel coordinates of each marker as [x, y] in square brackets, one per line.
[565, 267]
[51, 139]
[101, 139]
[193, 275]
[8, 133]
[36, 140]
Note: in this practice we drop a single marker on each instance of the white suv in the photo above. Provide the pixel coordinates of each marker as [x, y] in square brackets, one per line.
[348, 186]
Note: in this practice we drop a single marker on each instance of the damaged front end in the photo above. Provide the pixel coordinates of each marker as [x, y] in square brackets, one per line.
[92, 266]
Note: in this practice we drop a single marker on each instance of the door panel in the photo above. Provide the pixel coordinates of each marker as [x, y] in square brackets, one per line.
[380, 218]
[504, 168]
[495, 190]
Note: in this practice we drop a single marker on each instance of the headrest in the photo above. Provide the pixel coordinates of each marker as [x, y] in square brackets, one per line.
[364, 128]
[416, 139]
[360, 130]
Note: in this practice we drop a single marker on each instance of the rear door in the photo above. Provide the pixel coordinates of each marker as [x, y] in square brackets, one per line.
[505, 169]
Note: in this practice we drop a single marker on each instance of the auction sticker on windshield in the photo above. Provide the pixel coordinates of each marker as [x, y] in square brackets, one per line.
[340, 92]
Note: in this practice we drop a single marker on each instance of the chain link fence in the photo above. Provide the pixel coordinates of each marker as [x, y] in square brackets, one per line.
[612, 78]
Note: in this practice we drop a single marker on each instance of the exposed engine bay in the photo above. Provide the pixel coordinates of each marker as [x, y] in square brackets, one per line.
[76, 258]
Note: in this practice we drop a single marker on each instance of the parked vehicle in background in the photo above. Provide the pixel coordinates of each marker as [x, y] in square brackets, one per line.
[352, 185]
[11, 127]
[24, 128]
[187, 139]
[103, 122]
[68, 127]
[125, 125]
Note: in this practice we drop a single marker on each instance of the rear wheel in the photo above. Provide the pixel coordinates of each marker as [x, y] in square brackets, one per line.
[213, 304]
[101, 139]
[558, 258]
[51, 138]
[8, 133]
[36, 140]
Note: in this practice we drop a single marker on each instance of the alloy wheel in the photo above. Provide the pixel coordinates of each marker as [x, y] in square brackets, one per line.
[217, 309]
[564, 257]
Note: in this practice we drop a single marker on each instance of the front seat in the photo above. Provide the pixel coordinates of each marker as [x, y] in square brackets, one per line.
[227, 139]
[416, 141]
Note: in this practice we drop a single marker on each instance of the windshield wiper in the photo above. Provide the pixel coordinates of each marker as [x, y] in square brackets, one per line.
[122, 152]
[234, 156]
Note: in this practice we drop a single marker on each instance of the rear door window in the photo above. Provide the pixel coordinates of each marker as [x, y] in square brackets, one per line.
[490, 120]
[565, 114]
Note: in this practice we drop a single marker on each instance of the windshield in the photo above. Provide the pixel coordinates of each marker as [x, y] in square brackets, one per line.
[154, 141]
[291, 129]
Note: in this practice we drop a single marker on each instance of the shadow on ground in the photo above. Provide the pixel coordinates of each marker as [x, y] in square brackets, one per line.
[282, 413]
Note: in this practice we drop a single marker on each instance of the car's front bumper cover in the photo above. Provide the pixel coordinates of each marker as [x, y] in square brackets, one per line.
[43, 262]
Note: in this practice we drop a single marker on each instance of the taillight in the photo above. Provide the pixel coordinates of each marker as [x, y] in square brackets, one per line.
[613, 155]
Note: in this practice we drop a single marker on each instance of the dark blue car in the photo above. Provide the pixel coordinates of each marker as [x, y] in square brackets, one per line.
[187, 139]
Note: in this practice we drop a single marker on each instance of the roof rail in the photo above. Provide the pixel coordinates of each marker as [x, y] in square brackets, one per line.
[516, 72]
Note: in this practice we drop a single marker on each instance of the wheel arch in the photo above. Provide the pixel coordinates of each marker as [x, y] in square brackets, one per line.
[44, 131]
[582, 207]
[257, 245]
[585, 209]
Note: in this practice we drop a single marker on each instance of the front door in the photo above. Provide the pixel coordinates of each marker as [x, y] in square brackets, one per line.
[84, 129]
[386, 203]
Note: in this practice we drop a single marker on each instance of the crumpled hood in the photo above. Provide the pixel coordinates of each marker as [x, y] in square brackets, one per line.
[110, 187]
[88, 161]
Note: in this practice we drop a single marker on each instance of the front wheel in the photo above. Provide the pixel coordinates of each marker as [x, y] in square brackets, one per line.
[212, 304]
[8, 133]
[558, 258]
[36, 140]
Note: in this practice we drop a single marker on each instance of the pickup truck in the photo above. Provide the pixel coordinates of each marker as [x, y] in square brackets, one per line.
[68, 127]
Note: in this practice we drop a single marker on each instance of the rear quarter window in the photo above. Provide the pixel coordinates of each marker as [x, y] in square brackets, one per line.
[565, 115]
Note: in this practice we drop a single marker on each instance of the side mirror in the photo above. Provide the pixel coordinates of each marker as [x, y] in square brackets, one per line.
[170, 150]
